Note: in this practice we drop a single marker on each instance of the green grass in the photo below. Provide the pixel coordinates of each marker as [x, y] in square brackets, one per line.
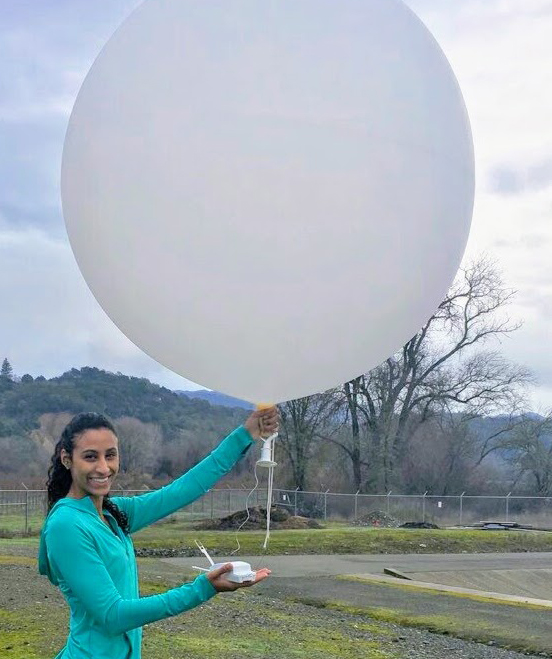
[27, 547]
[17, 560]
[438, 623]
[179, 538]
[296, 642]
[32, 632]
[241, 625]
[343, 540]
[11, 525]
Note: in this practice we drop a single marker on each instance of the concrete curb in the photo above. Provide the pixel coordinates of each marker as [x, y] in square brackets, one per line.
[393, 572]
[467, 592]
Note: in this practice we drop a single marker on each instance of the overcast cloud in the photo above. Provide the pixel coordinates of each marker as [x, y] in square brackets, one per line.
[501, 52]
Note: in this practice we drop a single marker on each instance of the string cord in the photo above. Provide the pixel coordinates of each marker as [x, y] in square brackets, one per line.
[247, 511]
[270, 482]
[268, 504]
[270, 479]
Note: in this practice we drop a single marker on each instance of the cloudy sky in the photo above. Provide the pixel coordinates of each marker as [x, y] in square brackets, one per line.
[501, 52]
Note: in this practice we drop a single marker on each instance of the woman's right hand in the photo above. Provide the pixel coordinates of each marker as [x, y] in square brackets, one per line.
[263, 423]
[221, 583]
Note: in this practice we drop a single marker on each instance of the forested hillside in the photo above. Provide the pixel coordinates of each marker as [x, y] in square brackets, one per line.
[162, 432]
[117, 395]
[327, 441]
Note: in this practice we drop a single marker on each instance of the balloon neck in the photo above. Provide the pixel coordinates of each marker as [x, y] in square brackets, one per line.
[267, 452]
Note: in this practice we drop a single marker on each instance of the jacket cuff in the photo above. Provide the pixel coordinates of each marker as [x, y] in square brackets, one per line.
[244, 438]
[205, 588]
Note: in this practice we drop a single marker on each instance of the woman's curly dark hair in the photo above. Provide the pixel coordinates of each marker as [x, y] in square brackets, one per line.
[59, 478]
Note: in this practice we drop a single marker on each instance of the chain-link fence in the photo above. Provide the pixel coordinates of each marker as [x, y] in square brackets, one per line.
[24, 510]
[450, 510]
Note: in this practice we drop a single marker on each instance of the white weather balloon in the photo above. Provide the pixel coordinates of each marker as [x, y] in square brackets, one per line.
[269, 198]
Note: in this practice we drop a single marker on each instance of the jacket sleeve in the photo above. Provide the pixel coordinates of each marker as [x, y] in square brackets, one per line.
[145, 509]
[80, 570]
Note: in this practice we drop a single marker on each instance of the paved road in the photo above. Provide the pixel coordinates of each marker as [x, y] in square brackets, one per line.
[304, 566]
[523, 574]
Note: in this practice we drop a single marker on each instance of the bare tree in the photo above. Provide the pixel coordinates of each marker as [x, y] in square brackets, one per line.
[530, 449]
[46, 436]
[302, 420]
[443, 365]
[440, 456]
[53, 423]
[139, 445]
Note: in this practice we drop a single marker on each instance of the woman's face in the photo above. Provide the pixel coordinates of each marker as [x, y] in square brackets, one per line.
[94, 463]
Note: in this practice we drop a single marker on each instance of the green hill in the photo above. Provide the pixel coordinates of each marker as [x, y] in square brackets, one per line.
[116, 395]
[188, 427]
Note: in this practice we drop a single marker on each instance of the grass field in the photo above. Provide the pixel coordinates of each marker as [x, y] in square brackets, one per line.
[242, 625]
[178, 538]
[245, 625]
[15, 524]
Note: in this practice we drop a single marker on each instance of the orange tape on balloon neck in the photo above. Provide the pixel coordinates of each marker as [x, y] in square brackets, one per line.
[264, 406]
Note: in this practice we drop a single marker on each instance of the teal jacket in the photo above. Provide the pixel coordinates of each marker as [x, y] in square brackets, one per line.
[95, 568]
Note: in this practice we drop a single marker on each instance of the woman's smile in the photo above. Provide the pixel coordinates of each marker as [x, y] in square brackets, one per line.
[100, 480]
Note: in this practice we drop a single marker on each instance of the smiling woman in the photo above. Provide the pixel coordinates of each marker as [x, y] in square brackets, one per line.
[85, 462]
[85, 544]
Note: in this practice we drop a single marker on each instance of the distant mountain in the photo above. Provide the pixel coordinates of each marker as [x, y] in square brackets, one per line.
[486, 426]
[216, 398]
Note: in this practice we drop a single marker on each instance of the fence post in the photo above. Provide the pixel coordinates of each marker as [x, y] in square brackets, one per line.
[388, 495]
[26, 508]
[326, 505]
[295, 502]
[461, 508]
[424, 506]
[508, 506]
[229, 501]
[212, 494]
[356, 505]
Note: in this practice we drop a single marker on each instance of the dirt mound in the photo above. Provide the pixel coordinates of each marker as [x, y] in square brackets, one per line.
[298, 522]
[378, 518]
[280, 518]
[418, 525]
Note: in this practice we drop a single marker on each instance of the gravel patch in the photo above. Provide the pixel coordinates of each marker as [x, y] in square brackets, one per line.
[394, 640]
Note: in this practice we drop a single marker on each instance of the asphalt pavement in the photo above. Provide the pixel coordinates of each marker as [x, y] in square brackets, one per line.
[527, 574]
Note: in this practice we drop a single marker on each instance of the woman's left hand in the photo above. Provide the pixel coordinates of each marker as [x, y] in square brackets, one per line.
[263, 423]
[222, 584]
